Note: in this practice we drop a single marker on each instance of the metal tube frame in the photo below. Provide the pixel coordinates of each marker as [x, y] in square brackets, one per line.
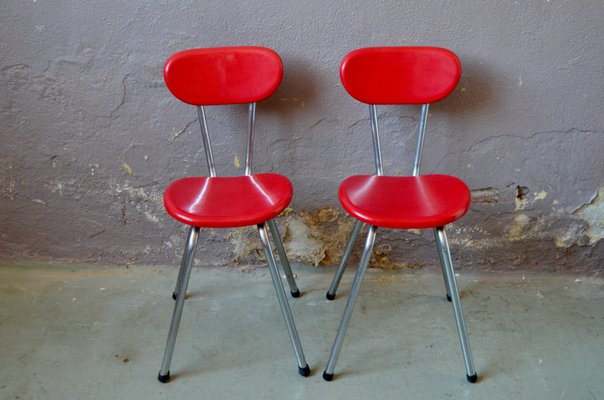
[184, 273]
[377, 149]
[442, 263]
[303, 368]
[181, 271]
[354, 293]
[164, 372]
[421, 133]
[287, 270]
[207, 145]
[445, 256]
[250, 139]
[331, 292]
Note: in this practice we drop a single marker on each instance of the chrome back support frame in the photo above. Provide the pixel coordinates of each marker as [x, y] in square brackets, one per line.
[377, 150]
[249, 147]
[207, 145]
[421, 133]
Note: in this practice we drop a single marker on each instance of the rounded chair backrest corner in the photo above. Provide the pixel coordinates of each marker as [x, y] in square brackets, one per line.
[223, 75]
[400, 75]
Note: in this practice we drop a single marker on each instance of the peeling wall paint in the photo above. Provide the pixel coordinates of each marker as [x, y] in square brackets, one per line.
[593, 214]
[90, 137]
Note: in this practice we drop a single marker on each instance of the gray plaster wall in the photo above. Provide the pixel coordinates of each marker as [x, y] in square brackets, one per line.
[90, 137]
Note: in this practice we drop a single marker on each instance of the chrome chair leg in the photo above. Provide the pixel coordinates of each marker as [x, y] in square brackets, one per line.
[441, 239]
[181, 271]
[303, 368]
[356, 286]
[442, 263]
[331, 292]
[164, 372]
[293, 288]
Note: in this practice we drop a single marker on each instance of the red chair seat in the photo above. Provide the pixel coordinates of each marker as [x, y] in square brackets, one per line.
[228, 201]
[405, 202]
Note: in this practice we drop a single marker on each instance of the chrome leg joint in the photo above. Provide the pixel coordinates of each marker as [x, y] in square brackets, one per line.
[447, 264]
[303, 368]
[331, 292]
[287, 270]
[354, 293]
[164, 372]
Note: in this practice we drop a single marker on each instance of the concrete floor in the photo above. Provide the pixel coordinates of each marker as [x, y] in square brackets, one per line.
[77, 332]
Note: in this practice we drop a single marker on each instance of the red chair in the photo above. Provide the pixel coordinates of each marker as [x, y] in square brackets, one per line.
[220, 76]
[400, 75]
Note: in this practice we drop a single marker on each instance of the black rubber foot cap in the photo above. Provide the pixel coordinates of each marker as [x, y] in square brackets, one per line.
[296, 294]
[330, 296]
[472, 378]
[163, 378]
[448, 297]
[174, 295]
[304, 371]
[327, 377]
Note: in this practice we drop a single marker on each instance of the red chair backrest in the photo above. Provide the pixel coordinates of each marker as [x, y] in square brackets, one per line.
[223, 75]
[400, 75]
